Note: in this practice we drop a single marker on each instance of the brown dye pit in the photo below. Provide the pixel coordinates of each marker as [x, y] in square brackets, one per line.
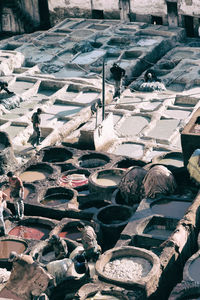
[30, 176]
[108, 180]
[7, 246]
[55, 199]
[72, 234]
[30, 232]
[26, 193]
[194, 270]
[174, 209]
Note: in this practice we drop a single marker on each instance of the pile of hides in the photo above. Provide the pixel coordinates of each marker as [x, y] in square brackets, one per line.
[130, 185]
[152, 86]
[194, 166]
[158, 180]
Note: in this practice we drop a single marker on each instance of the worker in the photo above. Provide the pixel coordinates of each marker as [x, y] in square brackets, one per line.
[89, 240]
[3, 197]
[117, 73]
[17, 194]
[36, 120]
[3, 86]
[59, 247]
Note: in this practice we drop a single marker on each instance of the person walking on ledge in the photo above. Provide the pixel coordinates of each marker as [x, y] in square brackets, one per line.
[17, 194]
[36, 120]
[3, 197]
[117, 73]
[3, 86]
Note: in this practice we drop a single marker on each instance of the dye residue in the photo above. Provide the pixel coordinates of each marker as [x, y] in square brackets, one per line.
[72, 234]
[8, 245]
[108, 180]
[73, 180]
[31, 176]
[174, 209]
[55, 199]
[30, 232]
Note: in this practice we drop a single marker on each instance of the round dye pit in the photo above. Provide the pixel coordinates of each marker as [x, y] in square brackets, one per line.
[74, 179]
[114, 215]
[127, 268]
[6, 246]
[173, 209]
[93, 160]
[36, 232]
[56, 154]
[172, 158]
[71, 233]
[93, 206]
[31, 176]
[58, 196]
[105, 179]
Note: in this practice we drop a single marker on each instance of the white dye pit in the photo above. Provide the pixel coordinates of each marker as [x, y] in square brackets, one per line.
[173, 209]
[88, 57]
[164, 129]
[146, 42]
[128, 268]
[177, 113]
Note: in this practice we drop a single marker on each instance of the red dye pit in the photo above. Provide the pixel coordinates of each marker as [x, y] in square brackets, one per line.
[71, 234]
[26, 193]
[26, 232]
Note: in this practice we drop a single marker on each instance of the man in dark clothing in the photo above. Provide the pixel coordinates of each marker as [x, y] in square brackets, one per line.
[36, 120]
[3, 86]
[150, 76]
[117, 74]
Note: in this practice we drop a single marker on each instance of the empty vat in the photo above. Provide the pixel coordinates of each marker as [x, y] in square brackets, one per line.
[93, 160]
[56, 154]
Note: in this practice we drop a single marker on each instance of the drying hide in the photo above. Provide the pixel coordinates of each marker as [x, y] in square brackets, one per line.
[159, 180]
[130, 185]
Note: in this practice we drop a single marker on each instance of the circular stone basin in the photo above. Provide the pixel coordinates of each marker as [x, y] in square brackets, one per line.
[75, 178]
[36, 172]
[173, 158]
[114, 215]
[57, 196]
[71, 233]
[106, 179]
[93, 206]
[127, 163]
[36, 232]
[93, 160]
[8, 245]
[170, 208]
[56, 154]
[106, 295]
[129, 266]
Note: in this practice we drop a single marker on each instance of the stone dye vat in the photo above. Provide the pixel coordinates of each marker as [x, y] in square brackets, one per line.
[133, 125]
[105, 180]
[58, 196]
[9, 244]
[93, 160]
[186, 290]
[37, 172]
[170, 207]
[128, 162]
[29, 190]
[56, 154]
[112, 220]
[32, 228]
[76, 178]
[70, 231]
[172, 158]
[92, 206]
[130, 267]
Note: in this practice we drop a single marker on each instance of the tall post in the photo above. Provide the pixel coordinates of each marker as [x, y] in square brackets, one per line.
[103, 91]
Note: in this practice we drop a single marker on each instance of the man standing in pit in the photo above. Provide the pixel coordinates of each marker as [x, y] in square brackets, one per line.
[3, 86]
[17, 194]
[36, 120]
[3, 197]
[117, 73]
